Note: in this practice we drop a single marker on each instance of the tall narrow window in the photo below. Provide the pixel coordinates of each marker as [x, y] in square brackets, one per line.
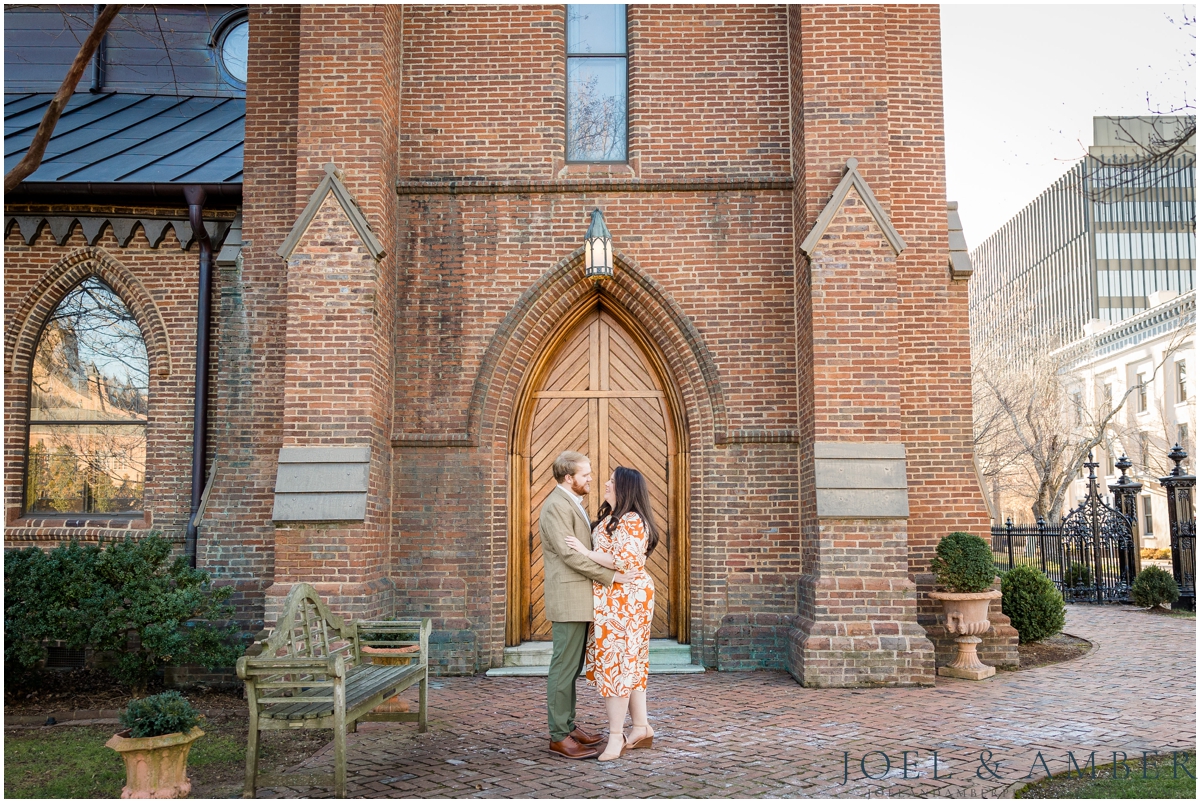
[1181, 381]
[1148, 516]
[597, 91]
[88, 406]
[1141, 393]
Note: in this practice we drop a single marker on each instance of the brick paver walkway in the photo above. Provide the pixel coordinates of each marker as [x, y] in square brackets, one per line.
[759, 734]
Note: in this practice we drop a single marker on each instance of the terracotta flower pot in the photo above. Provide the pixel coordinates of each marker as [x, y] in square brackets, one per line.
[967, 617]
[393, 656]
[155, 766]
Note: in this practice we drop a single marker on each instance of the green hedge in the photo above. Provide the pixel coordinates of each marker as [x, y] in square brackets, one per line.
[88, 596]
[1033, 603]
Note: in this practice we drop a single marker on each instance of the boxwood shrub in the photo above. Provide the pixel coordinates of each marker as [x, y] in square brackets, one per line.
[1154, 586]
[963, 564]
[159, 714]
[1033, 603]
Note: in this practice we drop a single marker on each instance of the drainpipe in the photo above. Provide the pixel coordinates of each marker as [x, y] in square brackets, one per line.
[196, 196]
[100, 59]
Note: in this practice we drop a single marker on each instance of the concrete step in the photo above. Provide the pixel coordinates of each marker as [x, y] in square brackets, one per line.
[532, 659]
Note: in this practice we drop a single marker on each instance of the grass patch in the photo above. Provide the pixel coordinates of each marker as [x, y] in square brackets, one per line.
[62, 762]
[1164, 781]
[71, 761]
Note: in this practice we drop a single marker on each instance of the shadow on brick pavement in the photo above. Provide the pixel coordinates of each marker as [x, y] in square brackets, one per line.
[759, 734]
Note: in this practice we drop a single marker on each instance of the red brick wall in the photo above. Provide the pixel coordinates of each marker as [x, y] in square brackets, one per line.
[484, 90]
[708, 100]
[882, 104]
[944, 494]
[426, 360]
[237, 537]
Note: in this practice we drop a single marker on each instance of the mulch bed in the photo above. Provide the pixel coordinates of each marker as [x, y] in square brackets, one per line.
[1052, 650]
[60, 692]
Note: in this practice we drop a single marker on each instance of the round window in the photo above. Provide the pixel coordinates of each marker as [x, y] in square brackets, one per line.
[234, 45]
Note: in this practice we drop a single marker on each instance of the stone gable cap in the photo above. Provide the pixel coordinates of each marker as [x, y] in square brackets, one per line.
[960, 259]
[852, 178]
[332, 182]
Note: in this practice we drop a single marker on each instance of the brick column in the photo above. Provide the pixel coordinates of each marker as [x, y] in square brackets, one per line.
[856, 622]
[340, 325]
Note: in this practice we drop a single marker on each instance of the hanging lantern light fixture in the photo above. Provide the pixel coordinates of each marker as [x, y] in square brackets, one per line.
[597, 249]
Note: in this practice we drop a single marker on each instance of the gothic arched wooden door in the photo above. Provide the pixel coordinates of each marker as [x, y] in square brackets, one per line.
[599, 396]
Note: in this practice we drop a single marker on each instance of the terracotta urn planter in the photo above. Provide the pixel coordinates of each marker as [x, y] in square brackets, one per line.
[155, 766]
[967, 617]
[393, 656]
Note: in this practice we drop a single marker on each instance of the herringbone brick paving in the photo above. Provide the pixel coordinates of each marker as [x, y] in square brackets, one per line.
[760, 734]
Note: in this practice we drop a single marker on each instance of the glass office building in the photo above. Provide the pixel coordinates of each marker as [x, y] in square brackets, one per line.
[1093, 247]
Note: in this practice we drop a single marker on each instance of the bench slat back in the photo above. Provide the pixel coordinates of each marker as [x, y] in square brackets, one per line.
[308, 629]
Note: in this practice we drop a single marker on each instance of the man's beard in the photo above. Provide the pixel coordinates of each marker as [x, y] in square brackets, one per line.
[580, 490]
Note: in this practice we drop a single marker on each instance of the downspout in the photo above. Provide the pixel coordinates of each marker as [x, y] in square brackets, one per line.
[196, 196]
[100, 59]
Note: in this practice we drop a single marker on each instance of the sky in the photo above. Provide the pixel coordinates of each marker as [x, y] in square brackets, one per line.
[1022, 83]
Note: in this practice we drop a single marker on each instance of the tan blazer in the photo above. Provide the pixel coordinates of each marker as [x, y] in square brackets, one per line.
[568, 574]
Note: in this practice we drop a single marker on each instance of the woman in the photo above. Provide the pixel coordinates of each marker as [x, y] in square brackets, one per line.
[618, 652]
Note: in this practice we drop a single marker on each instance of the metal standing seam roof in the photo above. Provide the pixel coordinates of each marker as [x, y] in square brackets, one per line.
[129, 138]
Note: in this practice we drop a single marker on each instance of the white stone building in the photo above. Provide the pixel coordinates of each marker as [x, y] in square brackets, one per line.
[1152, 358]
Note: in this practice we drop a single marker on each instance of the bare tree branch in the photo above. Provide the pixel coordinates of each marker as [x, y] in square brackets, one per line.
[37, 148]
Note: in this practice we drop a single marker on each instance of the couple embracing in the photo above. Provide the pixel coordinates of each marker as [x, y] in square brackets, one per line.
[600, 601]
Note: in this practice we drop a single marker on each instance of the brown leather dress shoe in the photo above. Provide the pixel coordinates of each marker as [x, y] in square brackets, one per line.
[585, 738]
[569, 748]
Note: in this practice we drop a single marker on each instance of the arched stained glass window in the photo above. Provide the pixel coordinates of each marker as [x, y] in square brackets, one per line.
[88, 407]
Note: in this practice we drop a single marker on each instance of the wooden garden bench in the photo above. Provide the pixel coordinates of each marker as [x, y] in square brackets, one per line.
[309, 673]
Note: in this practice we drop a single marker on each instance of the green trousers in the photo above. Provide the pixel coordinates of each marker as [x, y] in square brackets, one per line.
[570, 640]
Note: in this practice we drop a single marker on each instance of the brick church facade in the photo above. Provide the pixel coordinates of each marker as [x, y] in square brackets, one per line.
[402, 330]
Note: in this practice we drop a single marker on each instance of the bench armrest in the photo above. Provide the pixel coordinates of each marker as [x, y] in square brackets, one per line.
[248, 667]
[423, 627]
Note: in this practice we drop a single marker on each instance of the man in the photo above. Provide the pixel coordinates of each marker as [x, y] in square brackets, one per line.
[568, 595]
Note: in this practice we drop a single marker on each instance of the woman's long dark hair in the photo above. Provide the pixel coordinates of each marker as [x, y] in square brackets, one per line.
[633, 496]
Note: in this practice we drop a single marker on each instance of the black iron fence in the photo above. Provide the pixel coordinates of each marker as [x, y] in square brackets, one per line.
[1069, 559]
[1092, 556]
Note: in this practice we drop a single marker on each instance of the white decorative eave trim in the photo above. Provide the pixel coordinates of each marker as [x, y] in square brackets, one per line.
[852, 178]
[961, 266]
[332, 182]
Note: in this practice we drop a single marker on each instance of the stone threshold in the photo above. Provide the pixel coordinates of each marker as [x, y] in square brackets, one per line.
[532, 659]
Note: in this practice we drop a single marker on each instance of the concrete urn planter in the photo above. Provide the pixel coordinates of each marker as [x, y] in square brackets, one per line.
[155, 766]
[966, 617]
[393, 656]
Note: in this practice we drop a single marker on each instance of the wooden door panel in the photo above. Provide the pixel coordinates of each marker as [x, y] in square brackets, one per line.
[558, 425]
[638, 439]
[599, 397]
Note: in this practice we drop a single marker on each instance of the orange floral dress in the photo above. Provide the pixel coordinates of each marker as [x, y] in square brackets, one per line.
[618, 653]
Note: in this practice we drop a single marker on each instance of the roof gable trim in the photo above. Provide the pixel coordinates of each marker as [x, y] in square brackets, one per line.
[852, 178]
[332, 182]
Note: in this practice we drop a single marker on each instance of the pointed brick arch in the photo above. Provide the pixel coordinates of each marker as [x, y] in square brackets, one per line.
[547, 309]
[540, 310]
[42, 299]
